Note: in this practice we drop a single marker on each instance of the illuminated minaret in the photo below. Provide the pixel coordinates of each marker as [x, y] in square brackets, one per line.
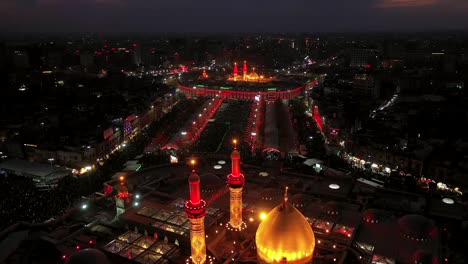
[236, 183]
[122, 199]
[195, 208]
[236, 71]
[244, 70]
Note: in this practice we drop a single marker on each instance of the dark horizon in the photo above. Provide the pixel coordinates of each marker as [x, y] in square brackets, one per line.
[135, 34]
[113, 16]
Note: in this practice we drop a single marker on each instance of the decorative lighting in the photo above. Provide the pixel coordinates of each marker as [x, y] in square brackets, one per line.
[217, 167]
[334, 186]
[230, 228]
[263, 216]
[209, 260]
[84, 206]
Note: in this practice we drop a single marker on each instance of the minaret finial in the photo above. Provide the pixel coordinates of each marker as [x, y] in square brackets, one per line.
[193, 162]
[286, 194]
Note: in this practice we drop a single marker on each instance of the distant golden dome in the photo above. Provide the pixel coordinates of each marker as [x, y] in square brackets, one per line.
[285, 234]
[253, 75]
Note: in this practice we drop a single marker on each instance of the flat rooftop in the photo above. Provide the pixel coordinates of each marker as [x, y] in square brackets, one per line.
[28, 168]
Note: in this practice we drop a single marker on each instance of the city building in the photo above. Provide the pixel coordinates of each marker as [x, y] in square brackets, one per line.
[365, 86]
[363, 57]
[45, 176]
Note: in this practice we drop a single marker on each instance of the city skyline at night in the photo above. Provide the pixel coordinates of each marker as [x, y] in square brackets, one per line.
[209, 132]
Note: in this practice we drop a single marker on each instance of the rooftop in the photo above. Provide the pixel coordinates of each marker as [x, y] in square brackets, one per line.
[28, 168]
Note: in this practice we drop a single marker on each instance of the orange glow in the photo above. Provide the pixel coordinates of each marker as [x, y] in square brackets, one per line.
[263, 216]
[197, 240]
[121, 178]
[193, 162]
[234, 141]
[235, 205]
[247, 77]
[285, 233]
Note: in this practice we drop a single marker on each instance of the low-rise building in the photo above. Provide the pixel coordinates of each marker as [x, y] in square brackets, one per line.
[45, 176]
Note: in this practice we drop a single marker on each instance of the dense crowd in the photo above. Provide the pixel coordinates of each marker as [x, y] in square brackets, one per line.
[229, 123]
[20, 200]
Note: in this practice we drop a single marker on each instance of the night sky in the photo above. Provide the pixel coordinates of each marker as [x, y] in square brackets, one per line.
[231, 16]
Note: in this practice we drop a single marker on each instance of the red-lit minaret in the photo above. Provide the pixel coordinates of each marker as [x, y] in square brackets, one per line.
[195, 208]
[122, 199]
[236, 182]
[244, 70]
[236, 70]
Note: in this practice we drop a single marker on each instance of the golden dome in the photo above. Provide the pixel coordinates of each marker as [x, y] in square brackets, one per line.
[285, 234]
[253, 75]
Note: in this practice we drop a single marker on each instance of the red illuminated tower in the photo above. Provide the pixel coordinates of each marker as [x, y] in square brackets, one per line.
[244, 70]
[195, 208]
[236, 71]
[236, 182]
[204, 75]
[122, 199]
